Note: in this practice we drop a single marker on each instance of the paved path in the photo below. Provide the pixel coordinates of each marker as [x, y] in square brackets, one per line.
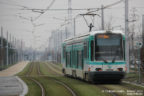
[13, 69]
[11, 85]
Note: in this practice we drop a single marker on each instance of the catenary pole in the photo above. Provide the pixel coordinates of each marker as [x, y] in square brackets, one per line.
[74, 27]
[143, 28]
[126, 34]
[2, 53]
[10, 47]
[102, 17]
[70, 18]
[14, 51]
[7, 49]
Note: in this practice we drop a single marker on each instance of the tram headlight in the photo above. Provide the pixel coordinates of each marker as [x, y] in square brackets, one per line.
[89, 69]
[98, 69]
[125, 68]
[120, 69]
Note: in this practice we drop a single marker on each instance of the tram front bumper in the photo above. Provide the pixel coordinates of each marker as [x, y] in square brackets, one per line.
[106, 75]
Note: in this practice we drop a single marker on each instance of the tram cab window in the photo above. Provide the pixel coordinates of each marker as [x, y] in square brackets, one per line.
[108, 47]
[92, 50]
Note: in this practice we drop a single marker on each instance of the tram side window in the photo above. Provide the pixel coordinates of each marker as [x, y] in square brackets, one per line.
[124, 50]
[70, 59]
[77, 59]
[85, 50]
[64, 52]
[74, 58]
[92, 50]
[80, 59]
[67, 59]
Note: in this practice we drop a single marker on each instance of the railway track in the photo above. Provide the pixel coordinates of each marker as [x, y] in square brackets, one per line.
[43, 92]
[105, 89]
[29, 70]
[49, 75]
[114, 92]
[121, 89]
[100, 86]
[57, 81]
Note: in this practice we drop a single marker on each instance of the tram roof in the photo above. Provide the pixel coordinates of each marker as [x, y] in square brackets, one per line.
[105, 31]
[96, 32]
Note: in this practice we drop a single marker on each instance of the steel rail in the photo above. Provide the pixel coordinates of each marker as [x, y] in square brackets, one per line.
[105, 88]
[59, 82]
[41, 86]
[43, 93]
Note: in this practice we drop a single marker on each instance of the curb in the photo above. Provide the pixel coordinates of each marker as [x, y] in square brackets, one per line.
[24, 86]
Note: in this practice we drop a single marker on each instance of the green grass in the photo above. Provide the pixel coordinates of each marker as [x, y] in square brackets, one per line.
[52, 88]
[45, 70]
[34, 89]
[81, 88]
[133, 86]
[55, 89]
[34, 71]
[86, 89]
[133, 76]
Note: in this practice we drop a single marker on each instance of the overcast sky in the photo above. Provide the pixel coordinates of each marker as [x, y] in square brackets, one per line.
[11, 15]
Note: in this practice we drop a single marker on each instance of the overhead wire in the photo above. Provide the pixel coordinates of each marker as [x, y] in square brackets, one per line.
[45, 10]
[18, 5]
[107, 6]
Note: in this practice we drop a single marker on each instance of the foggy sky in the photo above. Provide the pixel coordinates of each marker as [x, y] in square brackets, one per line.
[10, 13]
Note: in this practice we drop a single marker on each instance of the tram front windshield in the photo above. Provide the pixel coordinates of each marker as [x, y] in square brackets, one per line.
[108, 47]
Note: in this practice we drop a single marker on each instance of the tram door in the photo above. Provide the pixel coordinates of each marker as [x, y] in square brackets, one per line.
[80, 59]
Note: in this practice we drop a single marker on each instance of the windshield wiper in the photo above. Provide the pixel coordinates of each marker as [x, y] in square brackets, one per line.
[113, 60]
[104, 60]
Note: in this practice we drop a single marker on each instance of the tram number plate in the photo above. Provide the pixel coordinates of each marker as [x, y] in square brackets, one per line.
[109, 69]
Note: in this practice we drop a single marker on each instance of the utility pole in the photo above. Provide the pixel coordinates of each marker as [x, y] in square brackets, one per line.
[74, 27]
[126, 34]
[7, 50]
[70, 18]
[10, 47]
[66, 33]
[21, 53]
[102, 17]
[143, 28]
[2, 55]
[18, 46]
[13, 51]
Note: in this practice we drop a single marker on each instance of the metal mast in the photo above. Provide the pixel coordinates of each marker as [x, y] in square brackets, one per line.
[143, 28]
[102, 18]
[127, 35]
[7, 49]
[70, 18]
[2, 53]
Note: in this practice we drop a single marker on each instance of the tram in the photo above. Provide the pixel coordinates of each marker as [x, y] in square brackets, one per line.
[95, 56]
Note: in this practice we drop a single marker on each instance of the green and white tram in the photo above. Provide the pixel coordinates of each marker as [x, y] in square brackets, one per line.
[95, 56]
